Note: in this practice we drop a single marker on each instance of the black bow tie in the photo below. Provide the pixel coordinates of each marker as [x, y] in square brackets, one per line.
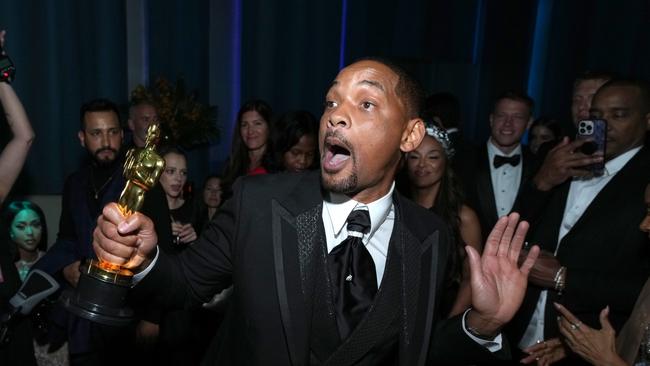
[499, 160]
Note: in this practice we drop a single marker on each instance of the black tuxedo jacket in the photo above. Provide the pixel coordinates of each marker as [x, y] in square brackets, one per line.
[474, 172]
[268, 241]
[606, 255]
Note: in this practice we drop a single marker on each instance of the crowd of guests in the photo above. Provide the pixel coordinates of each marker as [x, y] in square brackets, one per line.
[587, 292]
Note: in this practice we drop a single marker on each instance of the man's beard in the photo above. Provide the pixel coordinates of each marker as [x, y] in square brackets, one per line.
[107, 161]
[347, 185]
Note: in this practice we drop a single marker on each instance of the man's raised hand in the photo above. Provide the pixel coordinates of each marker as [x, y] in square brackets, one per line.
[127, 242]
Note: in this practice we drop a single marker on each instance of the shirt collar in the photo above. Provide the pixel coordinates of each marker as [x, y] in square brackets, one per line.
[340, 206]
[613, 166]
[494, 150]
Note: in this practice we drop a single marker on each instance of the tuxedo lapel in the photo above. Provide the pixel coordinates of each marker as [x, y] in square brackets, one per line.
[295, 220]
[485, 189]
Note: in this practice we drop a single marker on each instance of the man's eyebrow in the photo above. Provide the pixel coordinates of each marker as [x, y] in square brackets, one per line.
[373, 83]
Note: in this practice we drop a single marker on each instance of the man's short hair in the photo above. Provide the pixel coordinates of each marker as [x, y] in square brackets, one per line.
[408, 89]
[516, 96]
[593, 75]
[444, 106]
[97, 105]
[639, 84]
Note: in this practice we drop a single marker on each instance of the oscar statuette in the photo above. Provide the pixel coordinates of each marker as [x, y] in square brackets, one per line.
[101, 292]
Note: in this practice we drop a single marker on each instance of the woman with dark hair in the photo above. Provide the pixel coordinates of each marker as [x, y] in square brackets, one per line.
[211, 199]
[543, 130]
[251, 152]
[181, 208]
[26, 230]
[296, 144]
[24, 234]
[432, 184]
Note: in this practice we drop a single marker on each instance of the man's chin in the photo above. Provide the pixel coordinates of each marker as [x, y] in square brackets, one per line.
[339, 183]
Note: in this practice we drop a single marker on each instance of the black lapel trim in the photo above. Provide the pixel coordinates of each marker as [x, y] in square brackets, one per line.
[431, 302]
[485, 189]
[279, 215]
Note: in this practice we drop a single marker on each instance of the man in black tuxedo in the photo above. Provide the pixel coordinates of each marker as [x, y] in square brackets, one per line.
[595, 254]
[309, 290]
[493, 174]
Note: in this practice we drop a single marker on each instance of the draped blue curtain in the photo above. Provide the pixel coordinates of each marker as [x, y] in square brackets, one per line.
[66, 52]
[288, 51]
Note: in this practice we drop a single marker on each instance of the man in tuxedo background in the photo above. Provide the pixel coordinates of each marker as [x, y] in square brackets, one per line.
[311, 290]
[595, 256]
[493, 174]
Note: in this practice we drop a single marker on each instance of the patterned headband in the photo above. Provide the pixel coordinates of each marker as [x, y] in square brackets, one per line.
[442, 137]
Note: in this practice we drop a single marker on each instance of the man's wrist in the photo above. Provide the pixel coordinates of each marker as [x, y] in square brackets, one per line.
[541, 185]
[480, 326]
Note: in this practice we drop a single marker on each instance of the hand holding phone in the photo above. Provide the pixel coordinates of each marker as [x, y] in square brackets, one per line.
[594, 131]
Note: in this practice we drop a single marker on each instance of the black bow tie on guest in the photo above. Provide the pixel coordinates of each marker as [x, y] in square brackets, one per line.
[353, 275]
[499, 160]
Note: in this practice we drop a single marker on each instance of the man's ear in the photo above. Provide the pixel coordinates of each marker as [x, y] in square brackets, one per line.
[647, 121]
[413, 135]
[530, 123]
[82, 138]
[491, 119]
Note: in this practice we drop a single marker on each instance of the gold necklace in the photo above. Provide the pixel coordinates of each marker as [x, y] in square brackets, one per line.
[92, 183]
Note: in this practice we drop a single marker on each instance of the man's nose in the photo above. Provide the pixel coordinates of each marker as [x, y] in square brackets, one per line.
[105, 140]
[339, 119]
[645, 224]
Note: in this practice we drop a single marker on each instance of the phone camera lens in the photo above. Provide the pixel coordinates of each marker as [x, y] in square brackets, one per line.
[589, 148]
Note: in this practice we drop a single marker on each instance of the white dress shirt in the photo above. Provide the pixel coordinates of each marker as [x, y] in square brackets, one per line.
[581, 193]
[382, 221]
[505, 179]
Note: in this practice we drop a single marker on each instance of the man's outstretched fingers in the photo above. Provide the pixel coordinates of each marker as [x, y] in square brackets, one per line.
[492, 243]
[506, 238]
[518, 240]
[533, 253]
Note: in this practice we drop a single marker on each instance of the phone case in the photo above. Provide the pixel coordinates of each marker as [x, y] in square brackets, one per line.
[595, 131]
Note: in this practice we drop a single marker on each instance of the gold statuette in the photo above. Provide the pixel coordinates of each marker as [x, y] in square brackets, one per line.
[142, 168]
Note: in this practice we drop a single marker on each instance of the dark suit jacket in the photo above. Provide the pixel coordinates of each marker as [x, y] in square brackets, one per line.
[474, 173]
[606, 255]
[268, 241]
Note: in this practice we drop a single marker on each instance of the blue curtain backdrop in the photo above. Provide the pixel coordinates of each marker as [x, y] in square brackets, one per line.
[287, 52]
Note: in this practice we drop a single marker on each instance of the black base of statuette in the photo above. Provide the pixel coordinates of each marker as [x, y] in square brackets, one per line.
[100, 296]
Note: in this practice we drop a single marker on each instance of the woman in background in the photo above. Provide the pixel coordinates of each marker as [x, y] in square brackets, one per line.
[252, 150]
[24, 233]
[544, 130]
[212, 193]
[297, 141]
[181, 209]
[432, 184]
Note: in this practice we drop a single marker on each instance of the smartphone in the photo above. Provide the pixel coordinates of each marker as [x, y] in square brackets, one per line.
[595, 132]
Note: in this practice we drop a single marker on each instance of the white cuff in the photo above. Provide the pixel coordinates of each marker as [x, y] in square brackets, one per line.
[140, 275]
[494, 345]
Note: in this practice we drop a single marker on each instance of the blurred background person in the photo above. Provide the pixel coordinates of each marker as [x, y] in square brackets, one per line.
[432, 184]
[24, 232]
[544, 129]
[296, 143]
[181, 208]
[212, 199]
[252, 150]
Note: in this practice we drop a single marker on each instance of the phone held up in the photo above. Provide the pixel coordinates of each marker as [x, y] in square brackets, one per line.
[595, 132]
